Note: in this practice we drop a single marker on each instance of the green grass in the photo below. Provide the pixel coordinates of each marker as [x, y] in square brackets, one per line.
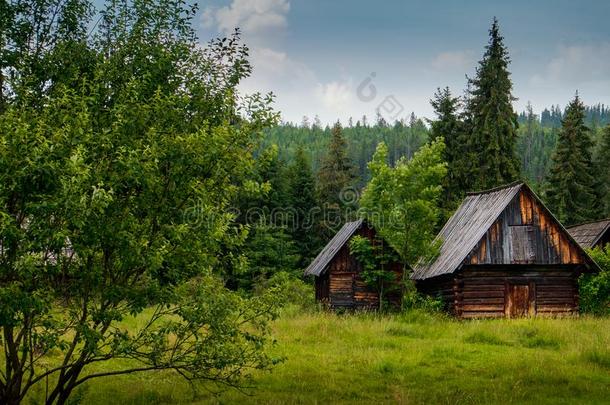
[407, 358]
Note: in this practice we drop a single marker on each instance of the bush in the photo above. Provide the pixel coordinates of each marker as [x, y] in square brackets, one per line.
[293, 291]
[595, 288]
[415, 300]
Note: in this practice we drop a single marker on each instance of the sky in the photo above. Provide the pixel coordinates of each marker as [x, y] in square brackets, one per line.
[346, 58]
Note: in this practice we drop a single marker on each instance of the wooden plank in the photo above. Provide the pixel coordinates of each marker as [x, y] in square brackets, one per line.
[483, 301]
[483, 294]
[482, 307]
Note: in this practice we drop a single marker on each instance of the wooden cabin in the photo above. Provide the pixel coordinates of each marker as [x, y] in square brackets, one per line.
[591, 234]
[337, 272]
[504, 254]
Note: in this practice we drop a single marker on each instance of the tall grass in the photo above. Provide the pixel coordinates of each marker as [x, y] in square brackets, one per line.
[408, 358]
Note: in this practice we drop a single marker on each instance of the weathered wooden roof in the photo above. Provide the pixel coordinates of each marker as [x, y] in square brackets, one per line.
[588, 234]
[465, 228]
[318, 264]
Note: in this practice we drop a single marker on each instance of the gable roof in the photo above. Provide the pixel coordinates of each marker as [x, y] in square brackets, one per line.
[465, 228]
[461, 234]
[588, 234]
[318, 264]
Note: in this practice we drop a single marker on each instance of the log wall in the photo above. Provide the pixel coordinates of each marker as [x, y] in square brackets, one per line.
[483, 291]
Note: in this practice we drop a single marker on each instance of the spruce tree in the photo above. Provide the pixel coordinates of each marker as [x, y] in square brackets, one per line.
[493, 123]
[603, 171]
[304, 205]
[448, 126]
[571, 192]
[335, 180]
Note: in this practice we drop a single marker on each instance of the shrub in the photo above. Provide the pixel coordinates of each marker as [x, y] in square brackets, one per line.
[293, 291]
[595, 288]
[413, 299]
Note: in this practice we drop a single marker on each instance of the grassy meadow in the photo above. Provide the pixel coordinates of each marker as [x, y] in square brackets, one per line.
[406, 358]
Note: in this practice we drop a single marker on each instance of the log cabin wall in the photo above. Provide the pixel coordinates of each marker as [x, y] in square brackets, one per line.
[346, 288]
[322, 288]
[484, 291]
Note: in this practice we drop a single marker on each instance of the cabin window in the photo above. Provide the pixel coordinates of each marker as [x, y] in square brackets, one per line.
[522, 244]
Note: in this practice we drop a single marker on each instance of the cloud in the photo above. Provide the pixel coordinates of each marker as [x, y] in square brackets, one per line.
[299, 91]
[275, 65]
[451, 60]
[337, 96]
[253, 17]
[576, 65]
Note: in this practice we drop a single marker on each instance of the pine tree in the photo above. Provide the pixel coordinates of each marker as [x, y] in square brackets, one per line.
[301, 185]
[493, 123]
[603, 171]
[269, 250]
[335, 178]
[571, 192]
[448, 126]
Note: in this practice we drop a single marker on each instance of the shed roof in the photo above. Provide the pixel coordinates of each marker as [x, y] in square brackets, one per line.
[588, 234]
[318, 264]
[465, 229]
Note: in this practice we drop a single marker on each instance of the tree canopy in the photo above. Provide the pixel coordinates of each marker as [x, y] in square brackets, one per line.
[121, 154]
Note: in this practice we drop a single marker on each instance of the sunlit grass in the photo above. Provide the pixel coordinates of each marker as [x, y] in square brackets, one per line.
[406, 358]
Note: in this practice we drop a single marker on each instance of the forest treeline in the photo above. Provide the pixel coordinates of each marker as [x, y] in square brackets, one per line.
[537, 138]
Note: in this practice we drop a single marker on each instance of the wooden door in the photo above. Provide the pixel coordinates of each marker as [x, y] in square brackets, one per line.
[519, 301]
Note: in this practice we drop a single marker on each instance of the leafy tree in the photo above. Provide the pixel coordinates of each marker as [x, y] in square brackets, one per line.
[571, 192]
[376, 258]
[43, 44]
[602, 170]
[402, 202]
[115, 197]
[492, 123]
[448, 126]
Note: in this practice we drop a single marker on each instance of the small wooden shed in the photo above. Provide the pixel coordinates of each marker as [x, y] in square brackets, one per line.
[503, 254]
[338, 274]
[591, 234]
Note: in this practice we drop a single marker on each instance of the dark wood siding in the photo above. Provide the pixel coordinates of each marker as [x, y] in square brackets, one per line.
[322, 288]
[484, 291]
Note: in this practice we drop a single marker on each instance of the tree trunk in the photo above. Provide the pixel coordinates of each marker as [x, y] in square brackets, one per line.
[65, 386]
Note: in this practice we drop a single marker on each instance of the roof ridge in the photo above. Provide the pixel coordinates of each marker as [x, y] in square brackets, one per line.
[493, 190]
